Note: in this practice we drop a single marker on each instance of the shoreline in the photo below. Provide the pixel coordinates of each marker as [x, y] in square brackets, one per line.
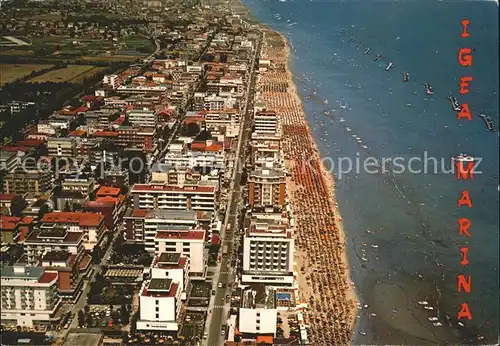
[319, 232]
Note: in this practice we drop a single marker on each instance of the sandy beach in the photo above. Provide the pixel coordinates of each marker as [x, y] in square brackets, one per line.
[323, 276]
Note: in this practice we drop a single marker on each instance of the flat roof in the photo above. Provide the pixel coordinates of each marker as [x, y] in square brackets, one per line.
[160, 284]
[169, 258]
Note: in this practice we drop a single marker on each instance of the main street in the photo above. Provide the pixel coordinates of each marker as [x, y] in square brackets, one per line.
[225, 274]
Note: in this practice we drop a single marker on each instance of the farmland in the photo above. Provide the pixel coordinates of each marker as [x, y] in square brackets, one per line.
[72, 73]
[12, 72]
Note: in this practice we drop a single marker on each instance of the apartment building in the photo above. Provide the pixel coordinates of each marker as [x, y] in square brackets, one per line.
[187, 241]
[218, 103]
[268, 249]
[29, 296]
[61, 146]
[267, 122]
[141, 225]
[33, 181]
[8, 161]
[113, 81]
[143, 118]
[198, 195]
[159, 305]
[267, 186]
[254, 322]
[92, 225]
[10, 229]
[264, 151]
[174, 266]
[40, 242]
[76, 183]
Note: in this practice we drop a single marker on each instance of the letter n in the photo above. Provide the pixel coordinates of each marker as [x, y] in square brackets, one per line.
[464, 112]
[464, 312]
[464, 284]
[464, 173]
[465, 199]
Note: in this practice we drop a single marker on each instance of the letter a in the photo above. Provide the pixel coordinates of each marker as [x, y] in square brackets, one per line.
[464, 284]
[464, 112]
[464, 225]
[464, 312]
[465, 57]
[465, 199]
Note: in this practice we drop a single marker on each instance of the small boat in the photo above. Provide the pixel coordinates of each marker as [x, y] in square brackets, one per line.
[464, 158]
[325, 102]
[487, 122]
[362, 333]
[389, 66]
[454, 103]
[437, 324]
[422, 302]
[348, 129]
[433, 319]
[428, 308]
[379, 56]
[367, 51]
[406, 77]
[460, 324]
[359, 44]
[428, 89]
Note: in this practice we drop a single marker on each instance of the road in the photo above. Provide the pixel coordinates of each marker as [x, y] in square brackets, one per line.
[82, 300]
[225, 273]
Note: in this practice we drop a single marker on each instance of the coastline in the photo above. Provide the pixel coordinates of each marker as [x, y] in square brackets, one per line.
[319, 235]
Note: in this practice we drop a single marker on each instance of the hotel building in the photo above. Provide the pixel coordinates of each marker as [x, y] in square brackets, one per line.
[267, 186]
[29, 296]
[268, 248]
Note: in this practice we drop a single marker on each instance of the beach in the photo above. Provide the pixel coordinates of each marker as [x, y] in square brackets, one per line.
[321, 261]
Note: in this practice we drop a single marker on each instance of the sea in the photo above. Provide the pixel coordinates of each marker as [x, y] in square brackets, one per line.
[400, 215]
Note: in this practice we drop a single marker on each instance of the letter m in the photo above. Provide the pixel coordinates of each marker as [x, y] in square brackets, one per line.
[464, 173]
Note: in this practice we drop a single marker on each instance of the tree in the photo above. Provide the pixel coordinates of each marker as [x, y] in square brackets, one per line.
[126, 122]
[44, 209]
[204, 136]
[92, 196]
[115, 316]
[190, 130]
[124, 315]
[89, 320]
[81, 318]
[17, 205]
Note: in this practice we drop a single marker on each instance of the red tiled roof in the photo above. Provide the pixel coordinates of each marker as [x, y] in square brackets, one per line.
[108, 191]
[82, 219]
[15, 148]
[8, 223]
[7, 196]
[106, 134]
[30, 142]
[192, 234]
[47, 277]
[140, 213]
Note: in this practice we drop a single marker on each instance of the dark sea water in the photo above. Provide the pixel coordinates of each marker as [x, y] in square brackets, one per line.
[412, 217]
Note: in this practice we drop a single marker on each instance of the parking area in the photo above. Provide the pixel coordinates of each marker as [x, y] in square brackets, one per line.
[201, 289]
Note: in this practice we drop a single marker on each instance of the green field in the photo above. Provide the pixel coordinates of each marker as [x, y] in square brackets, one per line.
[140, 43]
[72, 73]
[12, 72]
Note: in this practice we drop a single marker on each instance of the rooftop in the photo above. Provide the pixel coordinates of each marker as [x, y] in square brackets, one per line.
[174, 234]
[81, 218]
